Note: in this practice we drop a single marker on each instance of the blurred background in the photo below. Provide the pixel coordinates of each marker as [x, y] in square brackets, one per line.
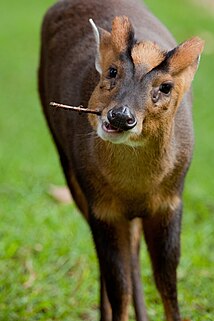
[48, 268]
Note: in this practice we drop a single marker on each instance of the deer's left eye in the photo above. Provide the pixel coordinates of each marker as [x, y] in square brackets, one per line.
[166, 88]
[112, 72]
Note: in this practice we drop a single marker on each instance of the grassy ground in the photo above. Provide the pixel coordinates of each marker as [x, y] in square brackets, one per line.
[48, 267]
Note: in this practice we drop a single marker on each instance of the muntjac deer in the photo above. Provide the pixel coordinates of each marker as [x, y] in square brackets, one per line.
[126, 166]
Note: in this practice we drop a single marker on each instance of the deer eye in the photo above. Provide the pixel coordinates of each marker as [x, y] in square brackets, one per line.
[112, 72]
[166, 88]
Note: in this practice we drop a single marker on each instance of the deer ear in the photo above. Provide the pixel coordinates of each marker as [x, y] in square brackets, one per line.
[103, 39]
[183, 60]
[122, 34]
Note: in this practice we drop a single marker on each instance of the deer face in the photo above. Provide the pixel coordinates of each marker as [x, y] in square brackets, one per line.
[141, 86]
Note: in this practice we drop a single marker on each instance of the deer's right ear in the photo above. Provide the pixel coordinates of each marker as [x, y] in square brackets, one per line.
[103, 39]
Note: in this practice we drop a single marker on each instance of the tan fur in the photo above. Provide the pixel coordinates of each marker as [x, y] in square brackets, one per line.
[149, 180]
[186, 54]
[113, 212]
[163, 203]
[147, 54]
[121, 28]
[135, 232]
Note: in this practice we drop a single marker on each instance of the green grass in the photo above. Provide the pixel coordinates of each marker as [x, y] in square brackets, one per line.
[48, 268]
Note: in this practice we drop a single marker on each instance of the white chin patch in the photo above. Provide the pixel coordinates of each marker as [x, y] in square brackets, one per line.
[116, 137]
[113, 137]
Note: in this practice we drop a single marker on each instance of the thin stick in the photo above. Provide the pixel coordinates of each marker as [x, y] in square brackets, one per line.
[80, 108]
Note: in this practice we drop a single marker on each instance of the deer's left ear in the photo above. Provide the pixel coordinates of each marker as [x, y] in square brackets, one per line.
[183, 60]
[103, 40]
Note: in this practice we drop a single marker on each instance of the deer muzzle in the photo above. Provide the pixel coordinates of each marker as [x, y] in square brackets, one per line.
[122, 118]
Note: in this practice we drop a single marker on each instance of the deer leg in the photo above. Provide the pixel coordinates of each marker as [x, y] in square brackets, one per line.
[113, 250]
[105, 307]
[162, 234]
[137, 291]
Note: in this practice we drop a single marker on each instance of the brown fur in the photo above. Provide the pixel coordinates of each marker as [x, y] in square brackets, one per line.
[135, 178]
[121, 33]
[185, 54]
[147, 54]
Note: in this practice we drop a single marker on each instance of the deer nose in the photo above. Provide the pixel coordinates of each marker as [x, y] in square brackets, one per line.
[122, 118]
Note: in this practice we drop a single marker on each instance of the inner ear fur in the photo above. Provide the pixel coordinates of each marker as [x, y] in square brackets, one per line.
[185, 55]
[183, 60]
[105, 38]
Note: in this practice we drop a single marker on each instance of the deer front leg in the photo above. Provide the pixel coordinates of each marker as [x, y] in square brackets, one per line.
[162, 234]
[113, 250]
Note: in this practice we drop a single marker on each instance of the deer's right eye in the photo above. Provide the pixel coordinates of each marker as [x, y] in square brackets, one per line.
[112, 72]
[166, 88]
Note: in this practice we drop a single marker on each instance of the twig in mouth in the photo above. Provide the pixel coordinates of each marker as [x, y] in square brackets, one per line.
[80, 108]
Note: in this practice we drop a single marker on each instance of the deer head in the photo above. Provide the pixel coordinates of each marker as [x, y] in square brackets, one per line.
[141, 85]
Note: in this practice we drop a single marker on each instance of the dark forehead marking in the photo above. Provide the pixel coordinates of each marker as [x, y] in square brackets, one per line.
[164, 65]
[131, 41]
[126, 55]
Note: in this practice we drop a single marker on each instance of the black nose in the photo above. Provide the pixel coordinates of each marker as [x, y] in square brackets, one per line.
[121, 117]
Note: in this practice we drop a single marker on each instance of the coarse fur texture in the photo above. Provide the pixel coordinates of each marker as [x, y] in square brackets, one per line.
[126, 167]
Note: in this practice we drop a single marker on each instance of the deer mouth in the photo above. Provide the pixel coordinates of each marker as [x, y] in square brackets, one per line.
[108, 128]
[113, 134]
